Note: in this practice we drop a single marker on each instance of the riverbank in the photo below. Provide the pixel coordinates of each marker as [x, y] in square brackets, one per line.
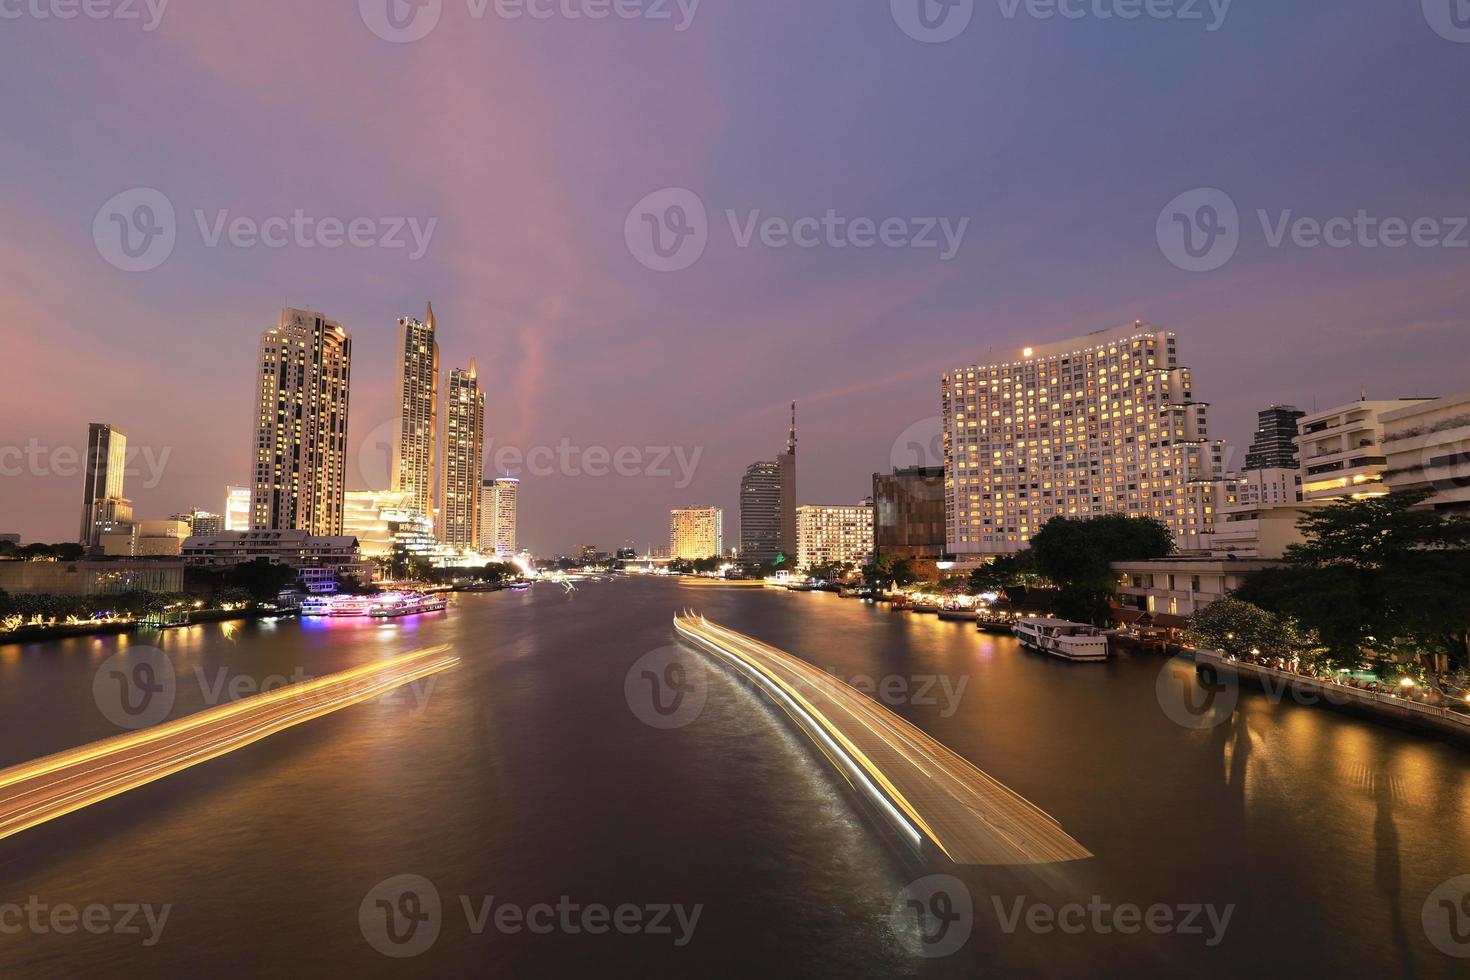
[195, 617]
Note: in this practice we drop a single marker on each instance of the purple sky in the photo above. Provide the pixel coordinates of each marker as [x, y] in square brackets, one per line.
[530, 141]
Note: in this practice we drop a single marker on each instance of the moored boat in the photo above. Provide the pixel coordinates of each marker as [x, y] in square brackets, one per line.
[1059, 638]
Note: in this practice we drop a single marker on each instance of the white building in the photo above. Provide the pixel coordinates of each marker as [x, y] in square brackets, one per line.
[1341, 449]
[300, 465]
[825, 535]
[1103, 424]
[498, 503]
[237, 508]
[319, 559]
[696, 532]
[1427, 446]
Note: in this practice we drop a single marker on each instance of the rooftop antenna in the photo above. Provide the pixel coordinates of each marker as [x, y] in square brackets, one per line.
[791, 440]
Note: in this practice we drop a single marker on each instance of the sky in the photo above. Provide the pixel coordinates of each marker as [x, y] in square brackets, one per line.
[174, 175]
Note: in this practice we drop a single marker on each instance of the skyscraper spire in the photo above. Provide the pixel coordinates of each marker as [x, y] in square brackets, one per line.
[430, 321]
[791, 440]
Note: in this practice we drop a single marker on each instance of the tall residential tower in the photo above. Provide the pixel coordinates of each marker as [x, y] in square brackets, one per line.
[498, 516]
[464, 460]
[416, 440]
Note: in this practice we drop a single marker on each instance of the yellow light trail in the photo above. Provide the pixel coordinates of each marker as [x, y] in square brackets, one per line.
[33, 793]
[926, 790]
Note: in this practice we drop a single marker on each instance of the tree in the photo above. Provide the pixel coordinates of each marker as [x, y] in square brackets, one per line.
[1240, 629]
[886, 571]
[1078, 554]
[1006, 573]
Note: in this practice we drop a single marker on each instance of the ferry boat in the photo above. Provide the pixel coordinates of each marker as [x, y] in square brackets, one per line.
[408, 604]
[389, 605]
[1076, 642]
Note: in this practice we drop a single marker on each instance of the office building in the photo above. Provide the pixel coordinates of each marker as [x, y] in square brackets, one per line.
[768, 506]
[102, 494]
[464, 460]
[237, 508]
[696, 532]
[908, 513]
[1274, 447]
[1427, 447]
[1341, 449]
[498, 502]
[827, 535]
[201, 521]
[300, 463]
[1259, 488]
[416, 439]
[1104, 424]
[145, 539]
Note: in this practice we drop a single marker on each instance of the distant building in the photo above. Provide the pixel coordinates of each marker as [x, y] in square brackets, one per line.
[300, 465]
[908, 513]
[498, 504]
[834, 534]
[464, 460]
[416, 440]
[202, 522]
[1274, 447]
[1103, 424]
[1341, 449]
[320, 559]
[1427, 446]
[768, 505]
[237, 508]
[696, 532]
[145, 539]
[83, 578]
[385, 522]
[1261, 488]
[102, 494]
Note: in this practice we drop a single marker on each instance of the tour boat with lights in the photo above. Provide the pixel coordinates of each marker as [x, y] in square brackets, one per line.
[1076, 642]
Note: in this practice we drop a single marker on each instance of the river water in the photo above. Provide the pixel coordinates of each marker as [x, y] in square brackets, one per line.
[1284, 840]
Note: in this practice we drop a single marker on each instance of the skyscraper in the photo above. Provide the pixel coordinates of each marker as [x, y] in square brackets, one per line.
[102, 494]
[464, 460]
[237, 508]
[416, 440]
[768, 505]
[1104, 424]
[300, 465]
[834, 534]
[908, 513]
[1274, 447]
[696, 532]
[498, 516]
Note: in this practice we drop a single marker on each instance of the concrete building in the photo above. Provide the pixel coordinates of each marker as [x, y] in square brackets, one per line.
[1172, 589]
[696, 532]
[84, 578]
[908, 513]
[102, 494]
[1103, 424]
[319, 559]
[237, 508]
[1274, 447]
[498, 503]
[768, 505]
[834, 534]
[1261, 488]
[464, 460]
[201, 522]
[300, 453]
[416, 439]
[1427, 447]
[145, 539]
[385, 521]
[1258, 532]
[1341, 449]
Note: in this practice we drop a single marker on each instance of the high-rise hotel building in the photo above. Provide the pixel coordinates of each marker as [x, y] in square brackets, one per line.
[834, 534]
[103, 504]
[416, 440]
[696, 533]
[498, 516]
[1104, 424]
[464, 460]
[300, 451]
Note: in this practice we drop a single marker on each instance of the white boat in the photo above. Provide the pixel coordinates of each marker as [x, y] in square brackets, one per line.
[396, 606]
[1076, 642]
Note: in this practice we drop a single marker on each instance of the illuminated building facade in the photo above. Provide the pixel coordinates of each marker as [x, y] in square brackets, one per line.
[464, 460]
[416, 439]
[908, 513]
[768, 505]
[696, 532]
[498, 502]
[1341, 449]
[300, 453]
[1274, 447]
[237, 508]
[102, 495]
[1428, 448]
[834, 534]
[1104, 424]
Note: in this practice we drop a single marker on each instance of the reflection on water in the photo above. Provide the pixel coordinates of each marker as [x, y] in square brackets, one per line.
[525, 775]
